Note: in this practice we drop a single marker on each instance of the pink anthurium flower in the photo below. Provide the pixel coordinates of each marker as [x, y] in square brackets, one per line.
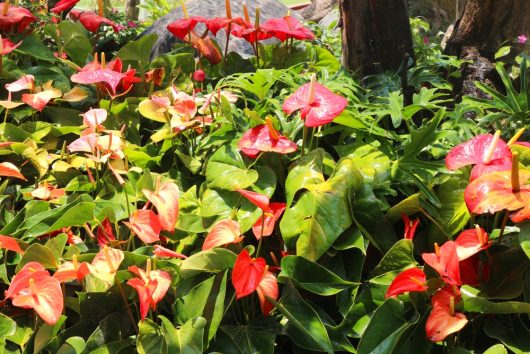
[73, 270]
[443, 319]
[14, 18]
[105, 233]
[317, 104]
[268, 287]
[166, 200]
[263, 138]
[413, 279]
[63, 6]
[10, 244]
[287, 27]
[223, 232]
[106, 263]
[410, 227]
[92, 21]
[86, 143]
[101, 74]
[151, 286]
[487, 152]
[146, 225]
[93, 119]
[470, 242]
[7, 169]
[247, 274]
[160, 251]
[182, 27]
[6, 46]
[31, 270]
[268, 220]
[26, 82]
[445, 261]
[42, 96]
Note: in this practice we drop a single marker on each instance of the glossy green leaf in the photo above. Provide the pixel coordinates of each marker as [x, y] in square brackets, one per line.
[187, 339]
[524, 237]
[136, 53]
[311, 276]
[7, 326]
[398, 258]
[322, 213]
[305, 171]
[386, 327]
[226, 170]
[304, 326]
[507, 269]
[257, 337]
[512, 332]
[41, 254]
[211, 261]
[475, 303]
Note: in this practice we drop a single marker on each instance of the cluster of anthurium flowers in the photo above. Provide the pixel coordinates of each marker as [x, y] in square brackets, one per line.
[457, 263]
[284, 28]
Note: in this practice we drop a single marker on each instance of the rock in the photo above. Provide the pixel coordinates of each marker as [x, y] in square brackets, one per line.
[318, 10]
[210, 9]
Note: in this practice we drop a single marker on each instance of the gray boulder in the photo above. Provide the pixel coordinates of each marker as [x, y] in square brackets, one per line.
[210, 9]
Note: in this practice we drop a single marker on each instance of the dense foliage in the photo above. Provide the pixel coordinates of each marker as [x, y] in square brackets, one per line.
[201, 201]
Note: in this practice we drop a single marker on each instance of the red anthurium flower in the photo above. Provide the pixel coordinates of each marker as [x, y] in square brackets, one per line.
[166, 200]
[208, 50]
[224, 232]
[445, 261]
[10, 244]
[6, 46]
[259, 200]
[317, 104]
[443, 319]
[26, 82]
[287, 27]
[474, 271]
[96, 73]
[182, 27]
[73, 270]
[44, 295]
[146, 225]
[410, 227]
[7, 169]
[500, 190]
[14, 18]
[409, 280]
[31, 270]
[250, 33]
[268, 220]
[106, 263]
[470, 242]
[63, 5]
[487, 152]
[47, 191]
[92, 21]
[265, 138]
[155, 75]
[151, 286]
[160, 251]
[268, 287]
[105, 233]
[247, 274]
[217, 23]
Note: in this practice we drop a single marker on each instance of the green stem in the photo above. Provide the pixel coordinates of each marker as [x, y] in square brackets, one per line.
[304, 138]
[503, 225]
[260, 242]
[122, 293]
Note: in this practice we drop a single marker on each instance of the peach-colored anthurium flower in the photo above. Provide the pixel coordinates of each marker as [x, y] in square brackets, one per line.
[93, 120]
[73, 270]
[470, 242]
[42, 96]
[160, 251]
[7, 169]
[146, 225]
[10, 244]
[26, 82]
[33, 287]
[317, 104]
[166, 200]
[47, 191]
[223, 232]
[151, 286]
[106, 263]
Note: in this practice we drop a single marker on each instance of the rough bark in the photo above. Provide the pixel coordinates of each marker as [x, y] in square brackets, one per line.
[131, 9]
[484, 26]
[376, 35]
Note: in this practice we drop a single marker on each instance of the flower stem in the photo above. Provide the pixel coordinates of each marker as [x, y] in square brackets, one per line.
[122, 293]
[304, 138]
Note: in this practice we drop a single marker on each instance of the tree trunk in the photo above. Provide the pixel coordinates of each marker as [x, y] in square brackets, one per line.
[486, 25]
[376, 35]
[131, 9]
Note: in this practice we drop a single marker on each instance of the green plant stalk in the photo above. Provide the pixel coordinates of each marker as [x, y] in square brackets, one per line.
[260, 242]
[129, 312]
[304, 138]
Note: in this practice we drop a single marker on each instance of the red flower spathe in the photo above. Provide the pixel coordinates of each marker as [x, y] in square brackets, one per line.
[413, 279]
